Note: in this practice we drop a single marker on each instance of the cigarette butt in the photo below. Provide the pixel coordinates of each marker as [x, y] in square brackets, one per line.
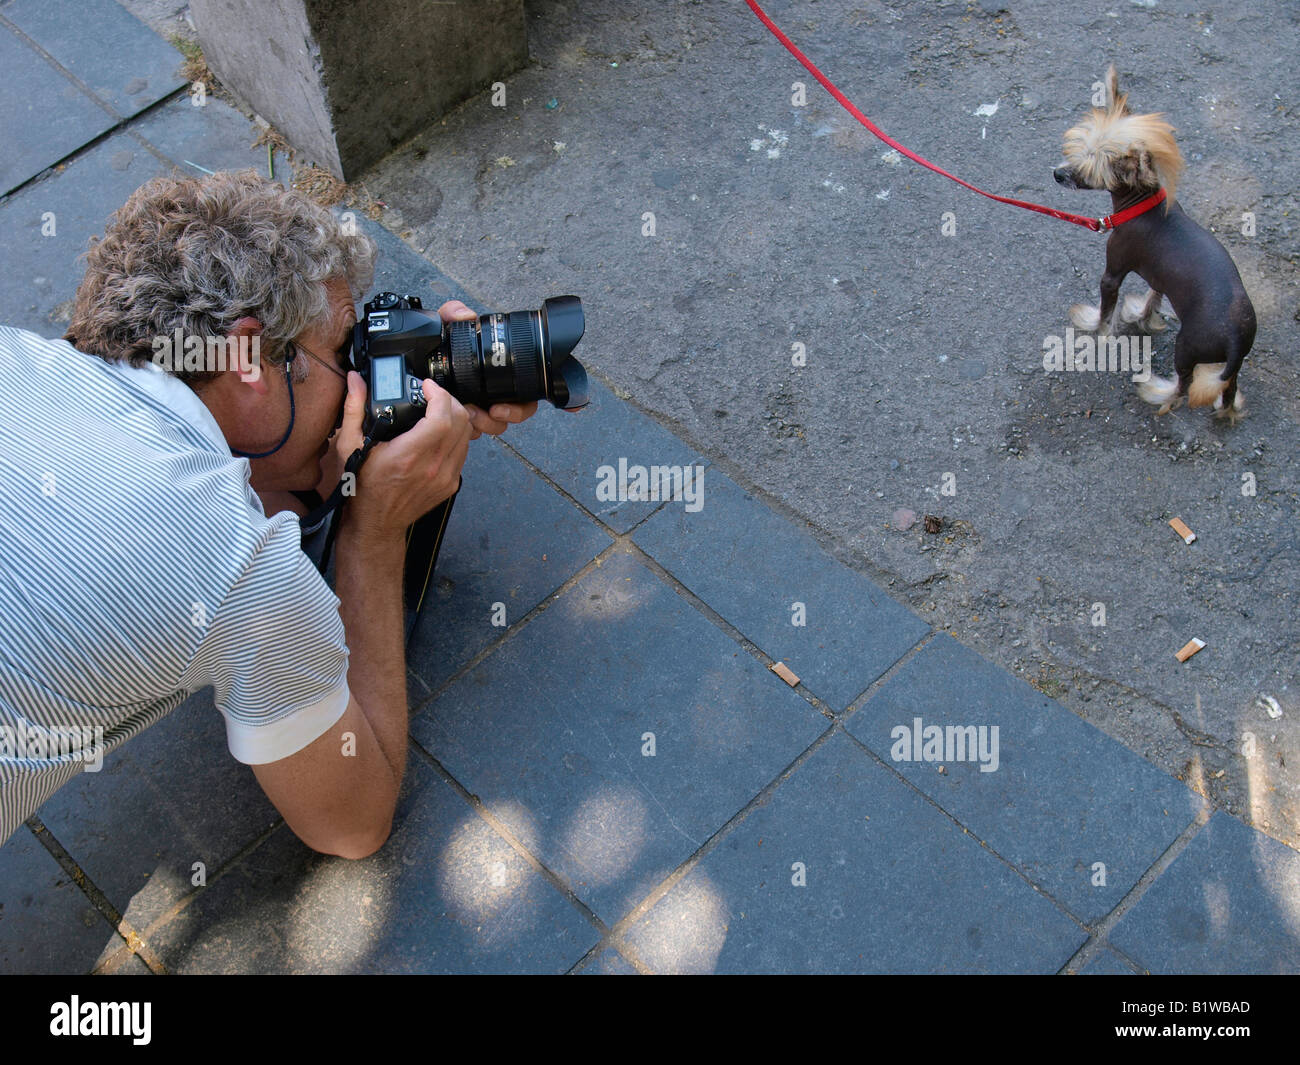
[1190, 648]
[785, 673]
[1182, 530]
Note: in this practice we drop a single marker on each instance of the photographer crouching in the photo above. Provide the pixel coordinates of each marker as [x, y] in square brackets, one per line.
[151, 528]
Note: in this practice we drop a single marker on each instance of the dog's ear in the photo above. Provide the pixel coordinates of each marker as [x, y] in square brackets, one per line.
[1135, 170]
[1147, 175]
[1116, 101]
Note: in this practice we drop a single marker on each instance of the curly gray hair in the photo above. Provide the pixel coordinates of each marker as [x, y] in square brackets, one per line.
[198, 254]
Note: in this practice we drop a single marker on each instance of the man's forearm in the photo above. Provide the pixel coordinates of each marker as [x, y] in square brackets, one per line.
[368, 582]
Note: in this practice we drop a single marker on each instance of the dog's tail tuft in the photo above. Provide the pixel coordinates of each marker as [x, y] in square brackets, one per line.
[1206, 386]
[1158, 390]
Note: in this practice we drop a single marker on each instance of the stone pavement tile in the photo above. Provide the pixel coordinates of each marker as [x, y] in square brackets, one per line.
[166, 799]
[512, 539]
[400, 269]
[1106, 963]
[44, 116]
[1229, 903]
[572, 446]
[445, 894]
[1064, 795]
[609, 962]
[891, 886]
[117, 56]
[133, 967]
[550, 729]
[41, 272]
[214, 136]
[47, 924]
[751, 566]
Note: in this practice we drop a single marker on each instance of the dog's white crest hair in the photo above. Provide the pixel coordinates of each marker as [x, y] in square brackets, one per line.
[1107, 148]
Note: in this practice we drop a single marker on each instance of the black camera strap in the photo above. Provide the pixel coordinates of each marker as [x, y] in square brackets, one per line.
[423, 539]
[423, 542]
[341, 491]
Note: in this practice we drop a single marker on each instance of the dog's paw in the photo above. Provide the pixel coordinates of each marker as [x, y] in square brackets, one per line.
[1131, 309]
[1233, 414]
[1160, 390]
[1085, 317]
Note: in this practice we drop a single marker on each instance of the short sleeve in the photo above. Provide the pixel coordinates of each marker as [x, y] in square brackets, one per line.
[275, 652]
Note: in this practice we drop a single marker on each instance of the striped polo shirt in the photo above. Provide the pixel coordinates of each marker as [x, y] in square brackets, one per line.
[138, 567]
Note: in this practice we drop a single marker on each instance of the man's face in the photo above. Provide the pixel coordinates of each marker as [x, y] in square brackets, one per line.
[318, 400]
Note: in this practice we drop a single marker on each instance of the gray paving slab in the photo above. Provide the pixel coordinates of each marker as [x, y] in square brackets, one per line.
[1106, 963]
[42, 272]
[213, 136]
[552, 731]
[573, 448]
[609, 962]
[399, 269]
[117, 56]
[891, 885]
[43, 115]
[47, 924]
[755, 569]
[1064, 795]
[445, 895]
[1229, 903]
[512, 540]
[169, 798]
[133, 966]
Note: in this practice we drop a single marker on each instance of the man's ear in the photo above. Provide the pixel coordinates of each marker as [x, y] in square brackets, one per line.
[244, 348]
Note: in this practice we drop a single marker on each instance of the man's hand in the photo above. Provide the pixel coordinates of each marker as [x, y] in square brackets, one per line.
[495, 420]
[501, 415]
[406, 477]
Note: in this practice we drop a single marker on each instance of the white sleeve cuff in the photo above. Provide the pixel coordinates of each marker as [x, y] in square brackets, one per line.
[257, 745]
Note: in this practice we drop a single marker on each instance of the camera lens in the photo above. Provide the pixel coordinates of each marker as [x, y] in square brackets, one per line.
[517, 357]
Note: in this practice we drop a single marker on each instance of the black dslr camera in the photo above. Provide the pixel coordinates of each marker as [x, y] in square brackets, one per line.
[497, 358]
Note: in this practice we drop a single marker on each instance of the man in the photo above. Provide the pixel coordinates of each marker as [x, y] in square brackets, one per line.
[150, 551]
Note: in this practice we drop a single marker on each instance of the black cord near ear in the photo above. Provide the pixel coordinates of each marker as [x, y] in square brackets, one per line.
[288, 377]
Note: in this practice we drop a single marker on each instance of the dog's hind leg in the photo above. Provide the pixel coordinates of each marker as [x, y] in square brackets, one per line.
[1230, 405]
[1146, 313]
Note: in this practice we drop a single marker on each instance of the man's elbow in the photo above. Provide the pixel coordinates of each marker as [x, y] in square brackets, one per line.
[353, 845]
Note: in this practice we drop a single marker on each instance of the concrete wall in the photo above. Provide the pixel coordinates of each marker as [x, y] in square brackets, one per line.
[347, 81]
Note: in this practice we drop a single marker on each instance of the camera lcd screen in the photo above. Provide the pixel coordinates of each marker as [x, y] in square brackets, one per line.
[388, 377]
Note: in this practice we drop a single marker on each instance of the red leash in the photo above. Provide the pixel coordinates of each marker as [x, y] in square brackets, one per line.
[1095, 224]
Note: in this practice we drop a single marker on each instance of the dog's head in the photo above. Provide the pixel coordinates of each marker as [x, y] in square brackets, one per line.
[1116, 150]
